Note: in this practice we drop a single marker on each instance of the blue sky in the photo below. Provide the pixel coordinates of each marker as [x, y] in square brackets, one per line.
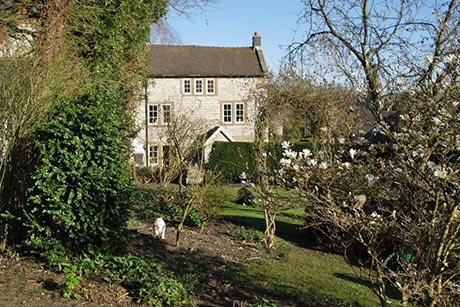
[231, 23]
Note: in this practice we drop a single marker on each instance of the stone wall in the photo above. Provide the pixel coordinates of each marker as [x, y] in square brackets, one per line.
[205, 111]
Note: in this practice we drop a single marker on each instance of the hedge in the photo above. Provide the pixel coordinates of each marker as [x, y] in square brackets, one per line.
[231, 159]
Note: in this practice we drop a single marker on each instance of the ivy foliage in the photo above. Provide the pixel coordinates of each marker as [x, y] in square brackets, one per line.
[110, 36]
[81, 183]
[79, 200]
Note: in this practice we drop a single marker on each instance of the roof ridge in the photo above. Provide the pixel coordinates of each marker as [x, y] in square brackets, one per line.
[202, 46]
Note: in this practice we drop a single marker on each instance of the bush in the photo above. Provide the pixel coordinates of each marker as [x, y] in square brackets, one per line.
[146, 280]
[230, 159]
[249, 235]
[209, 203]
[79, 198]
[144, 203]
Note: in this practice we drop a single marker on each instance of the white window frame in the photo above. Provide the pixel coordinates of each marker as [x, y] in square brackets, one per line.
[208, 92]
[151, 117]
[233, 113]
[189, 87]
[225, 114]
[196, 87]
[239, 108]
[153, 154]
[163, 113]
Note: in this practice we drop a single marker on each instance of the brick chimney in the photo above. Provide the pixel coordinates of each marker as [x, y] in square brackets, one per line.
[256, 40]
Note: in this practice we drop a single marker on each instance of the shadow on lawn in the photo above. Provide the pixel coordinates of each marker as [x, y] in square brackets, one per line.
[207, 275]
[296, 234]
[215, 281]
[391, 292]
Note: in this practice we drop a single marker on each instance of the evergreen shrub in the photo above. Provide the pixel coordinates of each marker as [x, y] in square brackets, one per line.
[79, 198]
[230, 159]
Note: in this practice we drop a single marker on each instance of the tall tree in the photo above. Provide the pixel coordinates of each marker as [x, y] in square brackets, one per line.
[78, 198]
[377, 46]
[397, 200]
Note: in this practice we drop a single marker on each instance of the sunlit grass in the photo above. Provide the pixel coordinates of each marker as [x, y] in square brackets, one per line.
[299, 273]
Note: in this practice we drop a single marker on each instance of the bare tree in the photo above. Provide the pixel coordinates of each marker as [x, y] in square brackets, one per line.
[187, 7]
[375, 46]
[163, 33]
[325, 113]
[185, 136]
[396, 201]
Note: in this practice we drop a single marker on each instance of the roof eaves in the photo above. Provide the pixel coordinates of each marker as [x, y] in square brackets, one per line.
[261, 75]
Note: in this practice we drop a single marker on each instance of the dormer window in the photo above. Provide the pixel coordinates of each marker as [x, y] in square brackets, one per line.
[198, 86]
[187, 86]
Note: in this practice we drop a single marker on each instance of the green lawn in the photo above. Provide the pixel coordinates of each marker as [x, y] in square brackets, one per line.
[299, 273]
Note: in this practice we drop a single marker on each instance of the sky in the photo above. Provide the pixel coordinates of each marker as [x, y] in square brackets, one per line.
[232, 23]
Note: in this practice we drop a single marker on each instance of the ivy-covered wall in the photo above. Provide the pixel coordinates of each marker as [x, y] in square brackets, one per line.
[81, 183]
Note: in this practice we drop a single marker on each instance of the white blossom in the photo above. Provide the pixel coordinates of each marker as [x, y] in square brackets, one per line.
[450, 58]
[432, 165]
[442, 174]
[346, 164]
[419, 152]
[286, 144]
[437, 120]
[284, 161]
[290, 154]
[323, 165]
[370, 177]
[312, 162]
[353, 152]
[305, 153]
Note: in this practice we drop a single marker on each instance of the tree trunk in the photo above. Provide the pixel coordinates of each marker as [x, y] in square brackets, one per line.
[270, 228]
[181, 224]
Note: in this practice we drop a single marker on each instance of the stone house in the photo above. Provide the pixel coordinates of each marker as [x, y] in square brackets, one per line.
[204, 88]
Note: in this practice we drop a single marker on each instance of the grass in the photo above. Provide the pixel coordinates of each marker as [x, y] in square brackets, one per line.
[300, 273]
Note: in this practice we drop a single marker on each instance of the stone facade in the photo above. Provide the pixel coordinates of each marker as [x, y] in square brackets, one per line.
[215, 105]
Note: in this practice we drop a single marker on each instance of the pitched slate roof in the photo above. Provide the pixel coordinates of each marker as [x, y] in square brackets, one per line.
[200, 61]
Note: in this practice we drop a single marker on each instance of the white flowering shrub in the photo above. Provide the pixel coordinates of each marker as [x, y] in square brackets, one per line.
[395, 204]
